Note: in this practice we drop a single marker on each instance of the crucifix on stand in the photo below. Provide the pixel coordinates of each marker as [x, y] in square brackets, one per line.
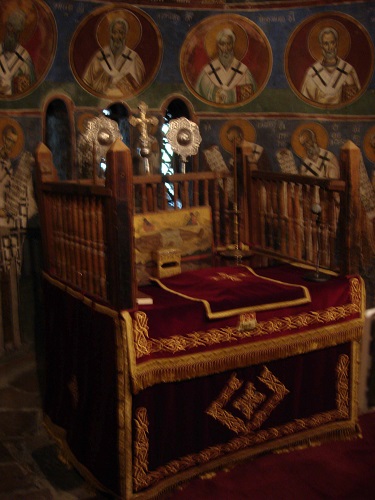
[234, 251]
[317, 275]
[142, 123]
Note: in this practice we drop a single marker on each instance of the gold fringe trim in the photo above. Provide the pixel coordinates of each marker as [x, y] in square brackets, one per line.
[188, 366]
[185, 367]
[346, 434]
[260, 307]
[206, 338]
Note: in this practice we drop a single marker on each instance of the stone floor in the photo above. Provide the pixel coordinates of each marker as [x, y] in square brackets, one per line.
[29, 464]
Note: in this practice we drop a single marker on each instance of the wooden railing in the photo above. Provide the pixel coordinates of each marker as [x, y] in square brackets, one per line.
[294, 217]
[278, 220]
[87, 229]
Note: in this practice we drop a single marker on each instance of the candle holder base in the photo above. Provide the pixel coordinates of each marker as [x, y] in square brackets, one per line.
[317, 276]
[235, 254]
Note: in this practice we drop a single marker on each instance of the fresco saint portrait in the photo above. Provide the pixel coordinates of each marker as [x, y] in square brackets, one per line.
[329, 60]
[116, 53]
[11, 145]
[11, 139]
[226, 61]
[310, 142]
[235, 133]
[28, 37]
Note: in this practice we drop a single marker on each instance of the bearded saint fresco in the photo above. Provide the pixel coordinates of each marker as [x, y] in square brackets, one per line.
[17, 72]
[225, 79]
[310, 143]
[28, 42]
[110, 55]
[226, 60]
[116, 68]
[329, 60]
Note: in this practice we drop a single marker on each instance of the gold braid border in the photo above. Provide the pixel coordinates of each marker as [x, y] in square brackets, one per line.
[134, 471]
[260, 307]
[322, 329]
[177, 343]
[332, 420]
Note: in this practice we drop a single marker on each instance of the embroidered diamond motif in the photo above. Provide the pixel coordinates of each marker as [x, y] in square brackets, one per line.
[249, 401]
[254, 406]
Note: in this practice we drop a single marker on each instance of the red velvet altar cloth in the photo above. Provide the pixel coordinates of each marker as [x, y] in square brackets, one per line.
[139, 406]
[174, 339]
[229, 291]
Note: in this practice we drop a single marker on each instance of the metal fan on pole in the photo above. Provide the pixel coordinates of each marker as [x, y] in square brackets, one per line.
[184, 137]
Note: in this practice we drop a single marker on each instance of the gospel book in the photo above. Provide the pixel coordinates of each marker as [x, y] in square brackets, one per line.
[143, 299]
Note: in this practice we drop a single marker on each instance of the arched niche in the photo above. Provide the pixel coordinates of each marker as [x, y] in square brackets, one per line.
[59, 135]
[120, 114]
[177, 106]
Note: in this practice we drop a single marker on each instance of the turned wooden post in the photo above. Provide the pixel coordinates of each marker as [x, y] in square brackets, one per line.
[121, 253]
[350, 213]
[242, 216]
[45, 171]
[249, 228]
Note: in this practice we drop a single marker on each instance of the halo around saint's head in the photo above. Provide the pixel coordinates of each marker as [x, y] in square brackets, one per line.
[242, 41]
[227, 137]
[134, 31]
[320, 133]
[27, 11]
[369, 144]
[19, 145]
[343, 44]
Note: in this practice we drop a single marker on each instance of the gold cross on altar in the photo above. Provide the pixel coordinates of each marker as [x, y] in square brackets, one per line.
[143, 121]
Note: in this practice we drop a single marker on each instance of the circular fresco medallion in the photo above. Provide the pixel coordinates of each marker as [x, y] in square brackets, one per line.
[116, 53]
[226, 60]
[329, 60]
[28, 37]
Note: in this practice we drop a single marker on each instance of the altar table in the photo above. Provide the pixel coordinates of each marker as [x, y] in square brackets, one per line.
[141, 400]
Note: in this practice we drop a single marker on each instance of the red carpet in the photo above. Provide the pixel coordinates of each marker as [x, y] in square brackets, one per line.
[336, 470]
